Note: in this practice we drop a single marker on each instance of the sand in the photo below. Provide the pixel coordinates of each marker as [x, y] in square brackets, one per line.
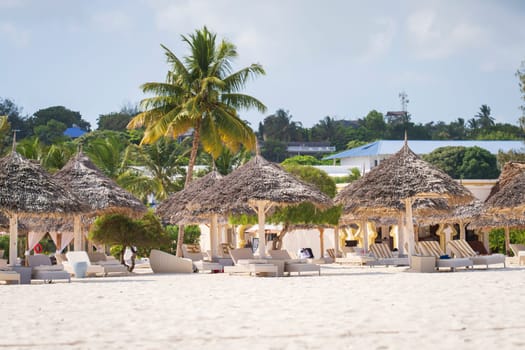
[344, 308]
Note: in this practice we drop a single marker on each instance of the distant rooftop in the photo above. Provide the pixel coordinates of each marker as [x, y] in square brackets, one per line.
[74, 132]
[386, 147]
[309, 147]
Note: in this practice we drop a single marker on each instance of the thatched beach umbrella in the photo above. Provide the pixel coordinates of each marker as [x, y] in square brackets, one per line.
[173, 210]
[400, 187]
[98, 192]
[28, 190]
[257, 186]
[505, 206]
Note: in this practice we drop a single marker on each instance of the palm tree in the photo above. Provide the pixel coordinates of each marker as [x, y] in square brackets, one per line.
[201, 93]
[164, 162]
[106, 151]
[484, 118]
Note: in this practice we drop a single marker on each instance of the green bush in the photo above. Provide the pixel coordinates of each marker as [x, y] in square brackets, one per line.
[192, 234]
[497, 239]
[4, 245]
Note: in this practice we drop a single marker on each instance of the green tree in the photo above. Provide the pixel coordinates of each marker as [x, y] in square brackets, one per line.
[464, 162]
[201, 93]
[5, 130]
[279, 126]
[448, 159]
[192, 234]
[118, 229]
[274, 150]
[314, 176]
[106, 151]
[60, 114]
[113, 121]
[478, 163]
[497, 239]
[57, 156]
[162, 162]
[302, 160]
[485, 120]
[374, 122]
[31, 148]
[51, 132]
[117, 121]
[510, 156]
[15, 118]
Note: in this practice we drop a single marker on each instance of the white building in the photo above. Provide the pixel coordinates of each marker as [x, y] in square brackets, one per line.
[370, 155]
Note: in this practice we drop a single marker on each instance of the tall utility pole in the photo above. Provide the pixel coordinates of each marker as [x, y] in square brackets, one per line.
[404, 101]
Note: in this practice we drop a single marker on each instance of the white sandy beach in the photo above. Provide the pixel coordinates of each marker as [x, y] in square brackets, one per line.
[344, 308]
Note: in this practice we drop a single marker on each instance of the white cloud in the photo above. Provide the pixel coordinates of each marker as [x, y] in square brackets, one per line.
[12, 3]
[380, 41]
[434, 36]
[18, 37]
[111, 21]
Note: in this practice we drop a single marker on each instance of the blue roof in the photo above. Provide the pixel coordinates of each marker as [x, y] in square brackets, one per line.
[385, 147]
[74, 132]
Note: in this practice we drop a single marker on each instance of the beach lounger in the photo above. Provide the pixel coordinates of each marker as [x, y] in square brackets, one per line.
[432, 248]
[8, 275]
[43, 269]
[294, 265]
[383, 256]
[461, 249]
[110, 264]
[519, 253]
[193, 252]
[354, 256]
[245, 262]
[162, 262]
[92, 269]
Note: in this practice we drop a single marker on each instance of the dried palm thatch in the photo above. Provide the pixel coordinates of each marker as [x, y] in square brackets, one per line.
[173, 210]
[404, 175]
[486, 222]
[97, 191]
[257, 180]
[510, 170]
[459, 214]
[510, 199]
[27, 190]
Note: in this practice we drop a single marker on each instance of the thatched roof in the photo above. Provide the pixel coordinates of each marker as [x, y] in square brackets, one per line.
[100, 193]
[496, 221]
[27, 189]
[466, 213]
[510, 199]
[510, 170]
[256, 180]
[404, 175]
[173, 210]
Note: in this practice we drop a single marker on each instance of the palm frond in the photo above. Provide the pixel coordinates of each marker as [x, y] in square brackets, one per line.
[242, 101]
[237, 81]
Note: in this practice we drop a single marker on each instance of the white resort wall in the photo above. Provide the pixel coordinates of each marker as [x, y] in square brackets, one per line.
[297, 239]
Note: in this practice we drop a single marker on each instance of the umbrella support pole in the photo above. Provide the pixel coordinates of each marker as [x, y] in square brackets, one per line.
[262, 207]
[13, 239]
[77, 232]
[409, 228]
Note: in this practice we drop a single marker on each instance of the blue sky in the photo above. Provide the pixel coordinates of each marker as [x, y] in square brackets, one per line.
[338, 58]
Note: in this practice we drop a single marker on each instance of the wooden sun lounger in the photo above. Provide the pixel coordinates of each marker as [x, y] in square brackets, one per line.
[245, 262]
[461, 249]
[432, 248]
[43, 269]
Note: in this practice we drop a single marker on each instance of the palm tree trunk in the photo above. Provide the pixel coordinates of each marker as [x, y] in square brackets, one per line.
[180, 241]
[189, 177]
[193, 154]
